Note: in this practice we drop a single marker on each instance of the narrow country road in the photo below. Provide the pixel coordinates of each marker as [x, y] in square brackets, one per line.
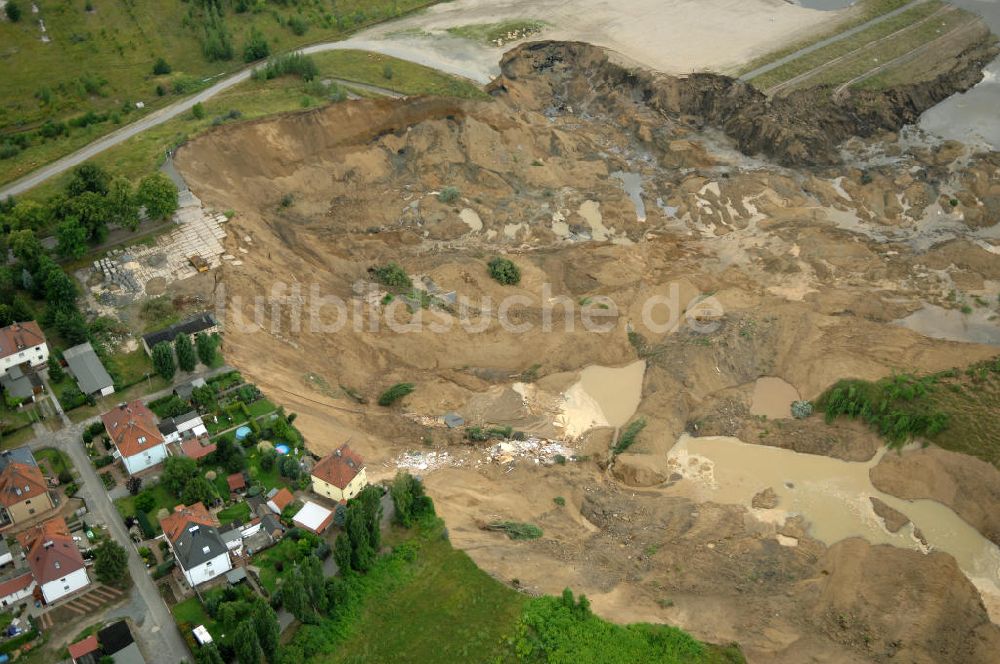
[158, 632]
[829, 40]
[402, 51]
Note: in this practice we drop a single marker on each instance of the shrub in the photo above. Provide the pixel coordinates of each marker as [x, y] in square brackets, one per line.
[148, 531]
[505, 271]
[13, 11]
[256, 47]
[163, 569]
[287, 200]
[395, 393]
[387, 71]
[515, 530]
[559, 500]
[801, 409]
[391, 275]
[449, 195]
[106, 460]
[198, 111]
[298, 25]
[630, 434]
[290, 64]
[161, 67]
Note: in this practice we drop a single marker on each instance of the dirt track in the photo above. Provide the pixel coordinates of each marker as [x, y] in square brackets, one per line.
[803, 272]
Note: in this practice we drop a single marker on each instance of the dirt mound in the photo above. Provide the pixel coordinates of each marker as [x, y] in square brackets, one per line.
[966, 484]
[804, 127]
[894, 519]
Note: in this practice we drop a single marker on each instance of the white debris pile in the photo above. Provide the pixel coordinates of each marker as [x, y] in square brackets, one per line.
[539, 450]
[431, 460]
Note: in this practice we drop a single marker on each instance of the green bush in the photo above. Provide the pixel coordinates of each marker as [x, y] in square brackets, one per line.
[505, 271]
[163, 569]
[449, 195]
[295, 64]
[630, 434]
[395, 393]
[517, 531]
[391, 275]
[145, 526]
[161, 67]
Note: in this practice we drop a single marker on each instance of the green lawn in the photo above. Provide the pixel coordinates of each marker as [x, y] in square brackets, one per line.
[404, 76]
[164, 500]
[238, 512]
[489, 33]
[56, 459]
[15, 418]
[190, 613]
[102, 61]
[261, 407]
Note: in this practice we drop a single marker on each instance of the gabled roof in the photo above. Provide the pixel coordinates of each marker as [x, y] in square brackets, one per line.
[85, 647]
[184, 515]
[115, 637]
[193, 325]
[18, 384]
[132, 428]
[339, 468]
[197, 544]
[282, 499]
[236, 481]
[51, 551]
[194, 448]
[91, 376]
[19, 482]
[19, 336]
[16, 584]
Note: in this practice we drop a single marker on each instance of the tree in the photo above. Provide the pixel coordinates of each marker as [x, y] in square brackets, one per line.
[161, 67]
[206, 346]
[60, 289]
[267, 459]
[294, 596]
[204, 397]
[256, 47]
[395, 393]
[208, 654]
[26, 247]
[121, 206]
[198, 111]
[158, 195]
[56, 373]
[265, 623]
[197, 490]
[71, 239]
[177, 470]
[88, 177]
[13, 11]
[145, 501]
[342, 552]
[91, 209]
[186, 359]
[504, 271]
[406, 493]
[288, 466]
[110, 562]
[163, 360]
[246, 644]
[312, 579]
[134, 485]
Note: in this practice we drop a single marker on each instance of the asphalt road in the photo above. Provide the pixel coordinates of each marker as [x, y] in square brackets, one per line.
[398, 50]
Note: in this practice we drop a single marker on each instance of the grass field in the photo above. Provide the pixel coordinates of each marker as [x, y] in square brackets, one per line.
[101, 61]
[862, 12]
[865, 50]
[56, 459]
[492, 33]
[164, 500]
[144, 153]
[238, 512]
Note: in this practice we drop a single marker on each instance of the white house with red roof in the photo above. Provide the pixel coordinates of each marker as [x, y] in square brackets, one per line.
[22, 343]
[339, 476]
[54, 559]
[132, 428]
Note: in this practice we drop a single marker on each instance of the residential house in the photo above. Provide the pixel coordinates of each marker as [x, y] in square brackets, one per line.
[91, 376]
[87, 651]
[187, 389]
[17, 384]
[237, 482]
[54, 559]
[203, 323]
[234, 540]
[339, 476]
[23, 493]
[278, 500]
[313, 518]
[16, 587]
[193, 535]
[117, 642]
[6, 557]
[188, 425]
[132, 428]
[22, 344]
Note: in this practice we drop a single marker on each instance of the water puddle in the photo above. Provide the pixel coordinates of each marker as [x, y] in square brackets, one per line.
[833, 496]
[632, 184]
[604, 396]
[591, 213]
[951, 324]
[772, 398]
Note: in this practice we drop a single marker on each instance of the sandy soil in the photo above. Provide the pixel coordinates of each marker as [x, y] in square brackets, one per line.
[675, 36]
[801, 275]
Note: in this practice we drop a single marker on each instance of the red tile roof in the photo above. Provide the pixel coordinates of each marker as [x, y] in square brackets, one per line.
[15, 338]
[236, 481]
[174, 525]
[339, 468]
[17, 584]
[282, 499]
[19, 482]
[52, 553]
[85, 647]
[194, 449]
[132, 427]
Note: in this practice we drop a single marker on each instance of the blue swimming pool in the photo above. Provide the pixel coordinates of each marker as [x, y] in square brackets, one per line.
[242, 433]
[282, 448]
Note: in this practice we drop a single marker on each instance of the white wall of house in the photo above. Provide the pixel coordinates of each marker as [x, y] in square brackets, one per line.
[208, 569]
[145, 459]
[33, 356]
[110, 389]
[54, 590]
[6, 558]
[175, 437]
[189, 425]
[16, 597]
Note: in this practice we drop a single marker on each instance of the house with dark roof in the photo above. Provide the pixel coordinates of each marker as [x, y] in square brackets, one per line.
[132, 428]
[185, 390]
[339, 476]
[117, 642]
[203, 323]
[54, 559]
[23, 492]
[198, 547]
[90, 374]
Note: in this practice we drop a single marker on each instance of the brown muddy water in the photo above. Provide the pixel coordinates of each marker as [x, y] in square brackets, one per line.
[978, 326]
[833, 496]
[772, 398]
[603, 396]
